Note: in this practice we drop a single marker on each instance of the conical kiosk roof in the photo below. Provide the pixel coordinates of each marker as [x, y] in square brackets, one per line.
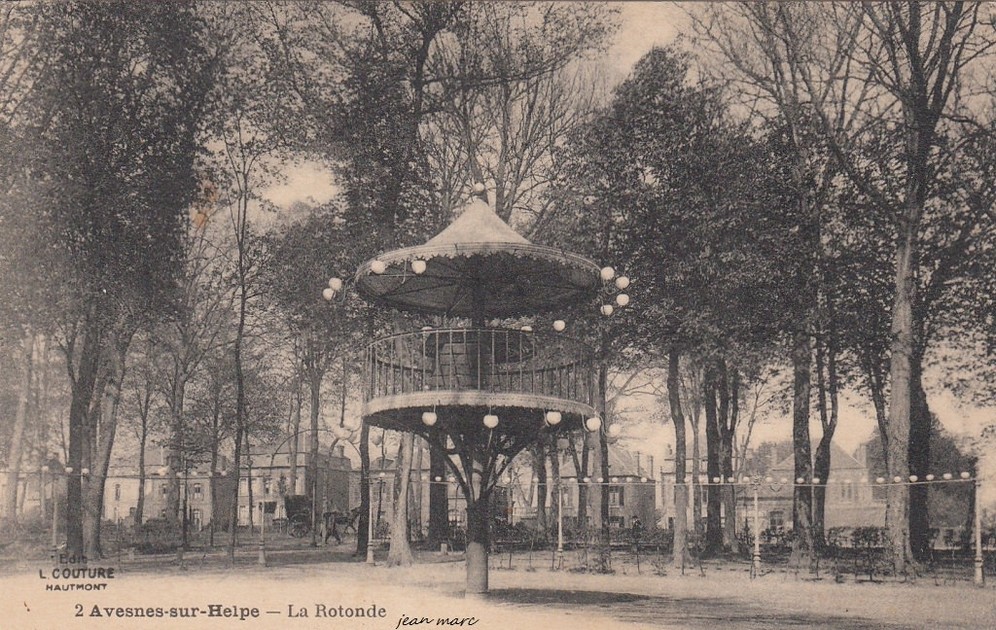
[477, 267]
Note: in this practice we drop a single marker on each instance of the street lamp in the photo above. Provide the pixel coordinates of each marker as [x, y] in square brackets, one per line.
[560, 522]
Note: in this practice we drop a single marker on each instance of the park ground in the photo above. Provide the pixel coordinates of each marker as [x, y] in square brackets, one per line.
[299, 581]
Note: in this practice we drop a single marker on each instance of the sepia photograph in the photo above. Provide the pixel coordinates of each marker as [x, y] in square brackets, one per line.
[391, 314]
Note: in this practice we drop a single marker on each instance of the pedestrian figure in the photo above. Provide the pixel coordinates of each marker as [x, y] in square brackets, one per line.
[330, 527]
[636, 530]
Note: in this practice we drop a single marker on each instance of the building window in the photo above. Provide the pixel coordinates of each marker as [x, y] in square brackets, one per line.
[776, 519]
[266, 485]
[164, 489]
[567, 498]
[198, 492]
[117, 492]
[847, 492]
[616, 498]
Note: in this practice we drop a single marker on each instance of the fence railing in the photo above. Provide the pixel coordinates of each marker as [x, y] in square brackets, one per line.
[480, 359]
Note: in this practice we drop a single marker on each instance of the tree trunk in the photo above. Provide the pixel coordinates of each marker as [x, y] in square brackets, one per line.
[539, 470]
[93, 508]
[144, 399]
[400, 552]
[439, 509]
[178, 446]
[821, 470]
[17, 434]
[233, 517]
[802, 503]
[897, 517]
[363, 526]
[876, 390]
[294, 442]
[584, 487]
[828, 389]
[82, 394]
[240, 395]
[602, 469]
[696, 464]
[478, 536]
[680, 487]
[213, 480]
[140, 501]
[311, 473]
[919, 460]
[714, 531]
[557, 498]
[729, 412]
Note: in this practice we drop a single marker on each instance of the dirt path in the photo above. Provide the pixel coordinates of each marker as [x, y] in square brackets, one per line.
[350, 595]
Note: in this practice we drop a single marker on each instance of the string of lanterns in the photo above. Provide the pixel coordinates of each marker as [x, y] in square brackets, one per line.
[816, 481]
[717, 481]
[552, 418]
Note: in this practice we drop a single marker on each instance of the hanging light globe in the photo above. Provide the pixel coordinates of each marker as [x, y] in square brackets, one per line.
[622, 299]
[429, 418]
[593, 423]
[559, 325]
[418, 266]
[378, 266]
[607, 273]
[964, 475]
[607, 309]
[335, 284]
[553, 418]
[622, 282]
[328, 294]
[491, 421]
[914, 478]
[947, 476]
[526, 329]
[614, 431]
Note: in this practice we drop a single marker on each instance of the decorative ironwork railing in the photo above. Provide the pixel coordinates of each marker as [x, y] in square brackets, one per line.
[480, 359]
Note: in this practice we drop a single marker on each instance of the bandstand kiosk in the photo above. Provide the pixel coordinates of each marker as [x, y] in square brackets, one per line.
[480, 392]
